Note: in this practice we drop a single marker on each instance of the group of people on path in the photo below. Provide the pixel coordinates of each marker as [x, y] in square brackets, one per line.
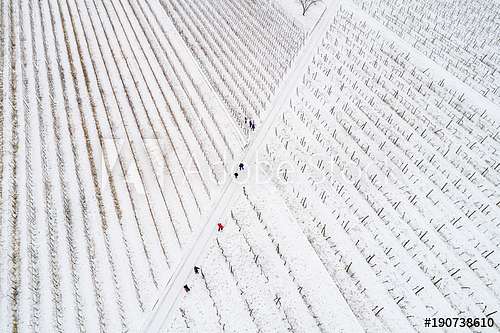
[250, 123]
[241, 168]
[196, 271]
[220, 227]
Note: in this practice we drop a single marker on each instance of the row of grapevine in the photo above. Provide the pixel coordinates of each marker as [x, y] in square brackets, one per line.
[244, 48]
[111, 150]
[260, 275]
[405, 168]
[462, 36]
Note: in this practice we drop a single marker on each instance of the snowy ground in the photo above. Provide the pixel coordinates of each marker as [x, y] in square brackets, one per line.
[372, 157]
[370, 196]
[112, 153]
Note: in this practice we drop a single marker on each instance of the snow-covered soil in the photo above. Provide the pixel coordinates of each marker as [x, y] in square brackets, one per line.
[394, 158]
[289, 288]
[112, 150]
[370, 195]
[387, 164]
[243, 47]
[462, 36]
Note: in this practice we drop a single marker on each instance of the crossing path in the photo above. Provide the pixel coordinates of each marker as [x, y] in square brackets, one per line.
[166, 304]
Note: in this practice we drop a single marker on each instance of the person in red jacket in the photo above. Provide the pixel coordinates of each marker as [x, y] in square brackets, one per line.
[220, 226]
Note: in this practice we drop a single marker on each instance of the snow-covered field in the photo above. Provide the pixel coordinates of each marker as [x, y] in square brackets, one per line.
[369, 199]
[461, 36]
[112, 150]
[243, 47]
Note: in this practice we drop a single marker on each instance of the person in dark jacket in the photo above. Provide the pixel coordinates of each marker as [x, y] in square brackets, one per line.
[241, 166]
[186, 288]
[220, 227]
[196, 269]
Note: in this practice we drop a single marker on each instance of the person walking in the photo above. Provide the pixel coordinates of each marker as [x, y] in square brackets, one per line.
[241, 166]
[186, 288]
[253, 126]
[220, 227]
